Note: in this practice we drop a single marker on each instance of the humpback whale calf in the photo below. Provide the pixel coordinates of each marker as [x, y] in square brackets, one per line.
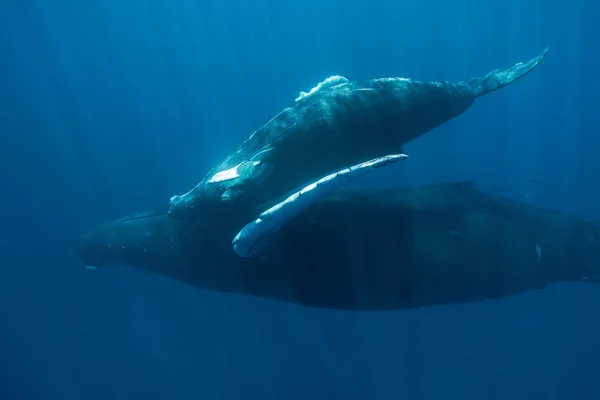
[368, 250]
[335, 125]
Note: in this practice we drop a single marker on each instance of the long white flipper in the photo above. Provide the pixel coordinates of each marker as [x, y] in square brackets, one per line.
[253, 237]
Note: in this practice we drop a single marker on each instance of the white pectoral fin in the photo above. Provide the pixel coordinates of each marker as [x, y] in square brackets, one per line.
[254, 236]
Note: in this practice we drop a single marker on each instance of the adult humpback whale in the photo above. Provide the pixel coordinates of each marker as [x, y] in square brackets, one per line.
[375, 250]
[337, 124]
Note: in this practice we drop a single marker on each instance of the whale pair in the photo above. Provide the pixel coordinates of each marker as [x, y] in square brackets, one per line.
[260, 201]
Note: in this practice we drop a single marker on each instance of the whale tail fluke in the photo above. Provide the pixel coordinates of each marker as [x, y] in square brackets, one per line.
[501, 77]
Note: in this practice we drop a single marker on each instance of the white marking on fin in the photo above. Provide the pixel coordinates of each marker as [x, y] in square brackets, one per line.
[226, 175]
[253, 237]
[538, 250]
[240, 169]
[329, 82]
[91, 267]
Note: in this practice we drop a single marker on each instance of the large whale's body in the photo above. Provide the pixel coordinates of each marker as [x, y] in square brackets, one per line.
[375, 250]
[336, 125]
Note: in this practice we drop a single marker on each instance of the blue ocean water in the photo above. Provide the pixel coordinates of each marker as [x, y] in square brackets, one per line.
[112, 107]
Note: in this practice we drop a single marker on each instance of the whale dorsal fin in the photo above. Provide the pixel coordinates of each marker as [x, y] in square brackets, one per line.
[327, 83]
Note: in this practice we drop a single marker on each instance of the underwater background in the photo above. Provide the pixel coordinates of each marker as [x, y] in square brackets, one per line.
[111, 107]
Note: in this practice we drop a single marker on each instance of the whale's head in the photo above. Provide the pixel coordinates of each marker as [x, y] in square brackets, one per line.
[98, 248]
[188, 251]
[139, 240]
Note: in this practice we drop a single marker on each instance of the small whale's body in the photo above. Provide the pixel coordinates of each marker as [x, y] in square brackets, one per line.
[369, 250]
[336, 125]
